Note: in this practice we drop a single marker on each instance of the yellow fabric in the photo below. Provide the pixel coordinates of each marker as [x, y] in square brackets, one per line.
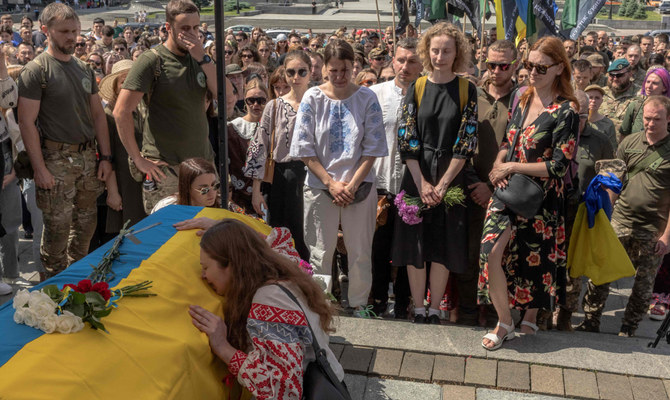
[420, 88]
[597, 253]
[500, 27]
[153, 350]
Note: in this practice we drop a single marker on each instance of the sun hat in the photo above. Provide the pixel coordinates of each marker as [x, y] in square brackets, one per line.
[108, 83]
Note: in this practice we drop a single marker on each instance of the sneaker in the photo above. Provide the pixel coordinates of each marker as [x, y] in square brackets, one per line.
[657, 312]
[419, 319]
[586, 326]
[27, 235]
[19, 282]
[5, 289]
[400, 312]
[434, 320]
[627, 331]
[379, 307]
[364, 312]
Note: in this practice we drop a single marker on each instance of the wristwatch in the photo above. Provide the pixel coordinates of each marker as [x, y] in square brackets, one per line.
[205, 60]
[104, 158]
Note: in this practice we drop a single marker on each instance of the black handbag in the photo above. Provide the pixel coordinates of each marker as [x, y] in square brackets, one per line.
[319, 381]
[522, 195]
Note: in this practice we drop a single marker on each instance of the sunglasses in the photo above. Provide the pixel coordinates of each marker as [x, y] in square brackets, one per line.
[204, 190]
[380, 58]
[540, 68]
[302, 72]
[491, 66]
[95, 62]
[368, 82]
[381, 79]
[255, 100]
[247, 56]
[229, 52]
[617, 74]
[81, 44]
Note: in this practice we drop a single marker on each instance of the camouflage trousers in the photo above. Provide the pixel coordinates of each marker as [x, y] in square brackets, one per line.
[69, 209]
[640, 248]
[168, 186]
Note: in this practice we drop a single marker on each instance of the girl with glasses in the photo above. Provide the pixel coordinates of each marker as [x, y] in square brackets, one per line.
[523, 261]
[230, 52]
[281, 198]
[198, 186]
[243, 130]
[366, 77]
[247, 55]
[339, 135]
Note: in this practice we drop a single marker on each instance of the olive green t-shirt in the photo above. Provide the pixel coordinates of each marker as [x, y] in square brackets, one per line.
[644, 202]
[65, 103]
[176, 126]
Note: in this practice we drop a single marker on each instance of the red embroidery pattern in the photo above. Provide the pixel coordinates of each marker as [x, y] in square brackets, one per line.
[273, 370]
[236, 362]
[267, 313]
[281, 241]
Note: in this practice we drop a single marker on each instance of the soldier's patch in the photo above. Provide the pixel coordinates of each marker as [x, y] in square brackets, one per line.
[202, 81]
[86, 83]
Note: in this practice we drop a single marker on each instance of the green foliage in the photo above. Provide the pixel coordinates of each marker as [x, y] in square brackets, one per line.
[232, 5]
[631, 8]
[640, 13]
[622, 7]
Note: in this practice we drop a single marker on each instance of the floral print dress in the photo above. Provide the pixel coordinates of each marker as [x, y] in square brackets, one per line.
[534, 261]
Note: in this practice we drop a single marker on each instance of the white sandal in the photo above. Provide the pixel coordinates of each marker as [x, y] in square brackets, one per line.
[497, 340]
[531, 325]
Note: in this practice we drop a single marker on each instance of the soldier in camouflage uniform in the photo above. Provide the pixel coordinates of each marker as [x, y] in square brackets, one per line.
[619, 93]
[640, 216]
[633, 55]
[60, 93]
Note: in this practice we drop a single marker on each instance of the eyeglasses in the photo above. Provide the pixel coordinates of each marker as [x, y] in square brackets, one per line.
[302, 72]
[503, 66]
[255, 100]
[247, 56]
[204, 190]
[615, 75]
[229, 52]
[540, 68]
[81, 44]
[368, 82]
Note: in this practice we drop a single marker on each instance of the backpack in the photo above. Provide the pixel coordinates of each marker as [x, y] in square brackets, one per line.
[420, 88]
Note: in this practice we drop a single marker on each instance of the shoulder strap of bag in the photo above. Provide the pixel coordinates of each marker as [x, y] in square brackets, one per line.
[315, 345]
[650, 159]
[43, 73]
[274, 123]
[157, 73]
[419, 88]
[463, 92]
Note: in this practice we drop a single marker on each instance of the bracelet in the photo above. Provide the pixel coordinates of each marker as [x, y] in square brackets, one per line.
[105, 158]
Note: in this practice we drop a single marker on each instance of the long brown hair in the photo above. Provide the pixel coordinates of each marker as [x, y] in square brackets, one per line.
[254, 264]
[553, 48]
[190, 169]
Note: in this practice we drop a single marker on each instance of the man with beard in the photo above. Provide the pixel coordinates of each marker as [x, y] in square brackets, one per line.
[25, 53]
[59, 91]
[602, 42]
[620, 91]
[493, 102]
[80, 47]
[570, 47]
[389, 175]
[174, 78]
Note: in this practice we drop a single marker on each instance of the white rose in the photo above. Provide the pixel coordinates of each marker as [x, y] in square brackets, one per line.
[29, 318]
[20, 315]
[21, 298]
[69, 323]
[48, 324]
[44, 309]
[37, 297]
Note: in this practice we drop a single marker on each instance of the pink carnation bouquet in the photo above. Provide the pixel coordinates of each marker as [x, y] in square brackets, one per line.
[410, 207]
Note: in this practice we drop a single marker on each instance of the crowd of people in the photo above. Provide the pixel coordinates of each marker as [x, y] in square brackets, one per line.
[329, 137]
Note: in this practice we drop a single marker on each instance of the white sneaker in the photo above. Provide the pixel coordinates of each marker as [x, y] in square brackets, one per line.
[5, 289]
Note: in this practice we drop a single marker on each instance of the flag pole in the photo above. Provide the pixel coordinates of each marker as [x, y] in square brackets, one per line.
[393, 22]
[483, 27]
[379, 22]
[222, 126]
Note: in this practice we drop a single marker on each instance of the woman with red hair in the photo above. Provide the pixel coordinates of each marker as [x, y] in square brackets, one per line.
[523, 260]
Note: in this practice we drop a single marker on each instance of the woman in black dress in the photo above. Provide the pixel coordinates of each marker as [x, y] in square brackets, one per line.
[437, 135]
[523, 260]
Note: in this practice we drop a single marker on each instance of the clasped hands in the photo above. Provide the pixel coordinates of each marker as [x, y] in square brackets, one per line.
[431, 195]
[343, 192]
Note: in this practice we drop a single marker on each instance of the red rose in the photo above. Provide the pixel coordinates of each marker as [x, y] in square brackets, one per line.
[71, 286]
[546, 279]
[547, 233]
[489, 237]
[539, 226]
[522, 295]
[103, 289]
[560, 234]
[533, 259]
[85, 286]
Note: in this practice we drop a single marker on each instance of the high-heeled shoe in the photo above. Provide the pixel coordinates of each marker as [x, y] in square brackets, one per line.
[497, 340]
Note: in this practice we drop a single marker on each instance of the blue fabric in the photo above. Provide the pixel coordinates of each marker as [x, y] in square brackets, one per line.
[596, 196]
[14, 336]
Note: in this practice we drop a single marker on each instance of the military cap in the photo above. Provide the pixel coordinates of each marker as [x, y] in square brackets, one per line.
[596, 60]
[377, 52]
[595, 87]
[618, 65]
[232, 69]
[615, 166]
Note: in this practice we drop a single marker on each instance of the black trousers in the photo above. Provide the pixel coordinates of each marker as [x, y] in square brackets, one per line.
[382, 243]
[285, 202]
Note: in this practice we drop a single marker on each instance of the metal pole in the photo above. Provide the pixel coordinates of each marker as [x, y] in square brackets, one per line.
[393, 23]
[379, 22]
[222, 128]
